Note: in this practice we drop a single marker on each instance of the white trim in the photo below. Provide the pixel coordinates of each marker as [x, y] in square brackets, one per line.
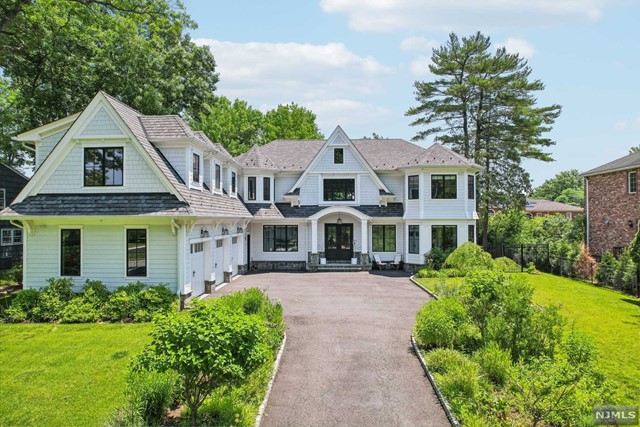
[635, 173]
[12, 236]
[126, 250]
[36, 135]
[339, 209]
[59, 250]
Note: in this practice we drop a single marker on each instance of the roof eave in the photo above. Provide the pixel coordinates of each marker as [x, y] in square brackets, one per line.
[590, 173]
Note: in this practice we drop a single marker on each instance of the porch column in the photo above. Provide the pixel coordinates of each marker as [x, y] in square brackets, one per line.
[314, 236]
[364, 228]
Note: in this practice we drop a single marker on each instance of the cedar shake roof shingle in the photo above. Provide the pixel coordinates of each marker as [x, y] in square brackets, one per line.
[630, 161]
[256, 158]
[102, 204]
[545, 206]
[285, 210]
[381, 154]
[165, 127]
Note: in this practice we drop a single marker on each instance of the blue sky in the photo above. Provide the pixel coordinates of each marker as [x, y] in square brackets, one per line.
[353, 62]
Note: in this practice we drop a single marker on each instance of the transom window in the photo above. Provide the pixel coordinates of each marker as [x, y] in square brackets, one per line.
[339, 190]
[444, 237]
[414, 239]
[383, 238]
[219, 243]
[196, 167]
[11, 236]
[414, 187]
[443, 187]
[218, 177]
[70, 251]
[197, 247]
[280, 238]
[266, 188]
[338, 156]
[633, 182]
[103, 166]
[3, 198]
[233, 182]
[251, 188]
[137, 252]
[471, 186]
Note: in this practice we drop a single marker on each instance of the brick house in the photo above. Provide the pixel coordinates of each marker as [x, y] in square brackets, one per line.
[612, 204]
[541, 207]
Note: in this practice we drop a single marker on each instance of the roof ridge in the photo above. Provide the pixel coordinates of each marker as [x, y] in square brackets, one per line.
[121, 103]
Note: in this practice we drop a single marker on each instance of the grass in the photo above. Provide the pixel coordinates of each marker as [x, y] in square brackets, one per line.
[610, 317]
[71, 375]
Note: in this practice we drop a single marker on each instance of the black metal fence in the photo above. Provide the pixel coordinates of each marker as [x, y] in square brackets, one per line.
[544, 260]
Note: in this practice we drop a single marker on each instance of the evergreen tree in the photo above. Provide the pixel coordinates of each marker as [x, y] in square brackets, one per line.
[482, 105]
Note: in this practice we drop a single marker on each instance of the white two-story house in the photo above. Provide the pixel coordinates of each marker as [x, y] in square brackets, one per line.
[120, 197]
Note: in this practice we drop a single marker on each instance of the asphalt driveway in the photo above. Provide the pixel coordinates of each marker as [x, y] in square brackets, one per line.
[347, 361]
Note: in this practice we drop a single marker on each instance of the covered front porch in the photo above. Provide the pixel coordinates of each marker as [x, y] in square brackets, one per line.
[339, 240]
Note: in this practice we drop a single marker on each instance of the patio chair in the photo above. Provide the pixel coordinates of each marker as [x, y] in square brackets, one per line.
[397, 262]
[379, 263]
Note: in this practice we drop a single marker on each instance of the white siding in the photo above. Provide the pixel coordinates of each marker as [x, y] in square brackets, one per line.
[257, 253]
[282, 185]
[395, 184]
[369, 192]
[101, 124]
[44, 147]
[69, 176]
[351, 163]
[103, 255]
[446, 208]
[177, 157]
[207, 173]
[309, 190]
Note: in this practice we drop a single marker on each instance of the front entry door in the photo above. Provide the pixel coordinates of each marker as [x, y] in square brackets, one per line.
[338, 242]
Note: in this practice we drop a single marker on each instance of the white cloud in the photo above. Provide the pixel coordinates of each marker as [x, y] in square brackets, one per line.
[521, 46]
[420, 66]
[418, 44]
[439, 15]
[329, 79]
[628, 125]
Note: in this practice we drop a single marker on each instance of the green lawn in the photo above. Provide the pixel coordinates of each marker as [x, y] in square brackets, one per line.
[612, 318]
[71, 375]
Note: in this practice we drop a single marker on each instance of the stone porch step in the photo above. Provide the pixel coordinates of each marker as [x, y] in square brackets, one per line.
[342, 267]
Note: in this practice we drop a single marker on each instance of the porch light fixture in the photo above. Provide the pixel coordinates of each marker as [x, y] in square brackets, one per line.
[239, 230]
[204, 232]
[339, 221]
[225, 231]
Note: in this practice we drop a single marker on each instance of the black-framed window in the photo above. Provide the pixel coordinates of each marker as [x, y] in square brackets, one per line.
[471, 186]
[414, 239]
[471, 233]
[633, 182]
[70, 251]
[444, 237]
[444, 187]
[218, 176]
[251, 188]
[338, 156]
[280, 238]
[3, 198]
[339, 190]
[136, 252]
[233, 182]
[196, 167]
[383, 238]
[103, 166]
[414, 186]
[266, 188]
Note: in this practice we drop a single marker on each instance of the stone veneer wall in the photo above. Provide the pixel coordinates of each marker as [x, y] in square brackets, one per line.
[412, 268]
[609, 199]
[278, 265]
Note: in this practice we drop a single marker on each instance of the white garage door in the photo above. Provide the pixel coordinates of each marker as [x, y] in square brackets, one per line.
[234, 256]
[197, 269]
[219, 262]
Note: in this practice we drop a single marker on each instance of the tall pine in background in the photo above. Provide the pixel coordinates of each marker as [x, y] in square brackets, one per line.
[482, 104]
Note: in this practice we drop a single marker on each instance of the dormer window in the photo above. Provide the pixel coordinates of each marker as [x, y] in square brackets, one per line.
[218, 176]
[251, 188]
[196, 167]
[103, 167]
[338, 156]
[233, 182]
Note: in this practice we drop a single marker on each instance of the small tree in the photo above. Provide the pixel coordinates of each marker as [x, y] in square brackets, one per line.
[625, 276]
[606, 269]
[585, 265]
[208, 347]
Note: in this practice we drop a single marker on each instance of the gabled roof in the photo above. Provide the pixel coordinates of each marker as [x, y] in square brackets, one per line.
[256, 158]
[381, 154]
[543, 206]
[630, 161]
[15, 171]
[165, 127]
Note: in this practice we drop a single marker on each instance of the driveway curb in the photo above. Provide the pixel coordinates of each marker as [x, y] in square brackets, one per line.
[276, 366]
[443, 401]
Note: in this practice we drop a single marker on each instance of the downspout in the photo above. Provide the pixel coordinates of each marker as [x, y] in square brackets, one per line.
[21, 225]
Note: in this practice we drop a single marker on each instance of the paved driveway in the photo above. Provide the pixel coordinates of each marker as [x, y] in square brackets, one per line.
[347, 361]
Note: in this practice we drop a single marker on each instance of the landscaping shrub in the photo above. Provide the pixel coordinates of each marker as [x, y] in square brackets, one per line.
[151, 393]
[442, 360]
[440, 323]
[469, 256]
[625, 276]
[53, 299]
[460, 383]
[21, 309]
[506, 265]
[605, 274]
[453, 272]
[154, 300]
[425, 273]
[79, 310]
[435, 258]
[531, 269]
[494, 362]
[585, 265]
